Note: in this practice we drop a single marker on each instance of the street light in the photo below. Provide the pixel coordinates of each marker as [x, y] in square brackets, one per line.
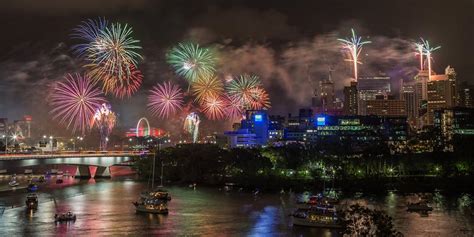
[6, 143]
[51, 142]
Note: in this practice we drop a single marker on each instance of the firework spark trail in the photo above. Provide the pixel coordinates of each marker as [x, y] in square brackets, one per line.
[207, 87]
[354, 46]
[214, 107]
[191, 125]
[75, 101]
[419, 49]
[191, 61]
[427, 49]
[165, 100]
[104, 119]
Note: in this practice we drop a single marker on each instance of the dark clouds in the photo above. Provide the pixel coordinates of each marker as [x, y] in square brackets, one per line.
[291, 45]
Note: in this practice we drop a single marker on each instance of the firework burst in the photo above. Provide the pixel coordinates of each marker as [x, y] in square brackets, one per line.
[234, 110]
[191, 125]
[88, 32]
[241, 88]
[259, 99]
[354, 46]
[214, 107]
[419, 51]
[104, 119]
[165, 100]
[207, 87]
[113, 53]
[123, 87]
[427, 49]
[75, 101]
[191, 61]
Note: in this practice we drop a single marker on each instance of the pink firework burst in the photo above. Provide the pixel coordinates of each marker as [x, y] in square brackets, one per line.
[165, 100]
[75, 101]
[234, 109]
[214, 107]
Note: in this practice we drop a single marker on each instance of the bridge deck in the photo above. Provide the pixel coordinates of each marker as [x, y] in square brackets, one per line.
[65, 155]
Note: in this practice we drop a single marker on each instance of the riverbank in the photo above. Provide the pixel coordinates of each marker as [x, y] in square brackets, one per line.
[302, 168]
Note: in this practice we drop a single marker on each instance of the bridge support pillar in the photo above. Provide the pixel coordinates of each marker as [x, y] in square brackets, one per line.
[83, 172]
[102, 172]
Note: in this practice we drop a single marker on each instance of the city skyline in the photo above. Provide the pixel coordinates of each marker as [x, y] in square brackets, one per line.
[284, 65]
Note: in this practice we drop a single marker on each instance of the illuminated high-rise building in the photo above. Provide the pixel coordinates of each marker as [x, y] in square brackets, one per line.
[368, 87]
[327, 95]
[466, 95]
[441, 92]
[351, 99]
[408, 94]
[386, 106]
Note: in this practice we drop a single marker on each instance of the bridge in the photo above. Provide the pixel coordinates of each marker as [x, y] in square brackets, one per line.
[83, 160]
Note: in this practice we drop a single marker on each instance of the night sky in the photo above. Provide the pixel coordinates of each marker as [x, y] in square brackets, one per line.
[290, 44]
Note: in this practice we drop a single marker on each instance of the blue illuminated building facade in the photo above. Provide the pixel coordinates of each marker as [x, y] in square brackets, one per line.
[254, 130]
[257, 122]
[354, 131]
[357, 132]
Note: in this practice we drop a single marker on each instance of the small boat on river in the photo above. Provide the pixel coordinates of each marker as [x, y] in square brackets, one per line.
[65, 217]
[31, 201]
[419, 207]
[13, 183]
[151, 205]
[318, 216]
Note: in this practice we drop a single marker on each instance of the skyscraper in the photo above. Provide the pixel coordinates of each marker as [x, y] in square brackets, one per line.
[408, 94]
[368, 87]
[351, 99]
[466, 95]
[441, 91]
[386, 106]
[328, 97]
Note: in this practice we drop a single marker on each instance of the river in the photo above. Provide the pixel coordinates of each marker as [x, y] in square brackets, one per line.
[104, 207]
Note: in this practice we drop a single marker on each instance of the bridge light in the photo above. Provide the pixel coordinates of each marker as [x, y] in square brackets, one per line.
[44, 136]
[50, 137]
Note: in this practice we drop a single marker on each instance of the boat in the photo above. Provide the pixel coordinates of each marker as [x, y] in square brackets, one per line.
[419, 207]
[316, 200]
[13, 183]
[312, 201]
[319, 216]
[154, 201]
[32, 187]
[424, 214]
[65, 217]
[151, 205]
[158, 194]
[31, 201]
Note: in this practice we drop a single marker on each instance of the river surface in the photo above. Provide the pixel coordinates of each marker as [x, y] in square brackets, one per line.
[104, 208]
